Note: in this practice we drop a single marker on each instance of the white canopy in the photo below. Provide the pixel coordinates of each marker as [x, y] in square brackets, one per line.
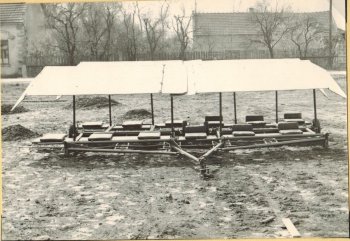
[178, 77]
[258, 75]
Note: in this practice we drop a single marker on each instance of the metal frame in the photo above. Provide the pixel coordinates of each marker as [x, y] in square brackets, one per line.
[175, 145]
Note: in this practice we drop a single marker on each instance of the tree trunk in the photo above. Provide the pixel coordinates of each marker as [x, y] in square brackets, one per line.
[271, 52]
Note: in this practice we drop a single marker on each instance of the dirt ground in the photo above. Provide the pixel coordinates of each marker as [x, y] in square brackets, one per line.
[89, 196]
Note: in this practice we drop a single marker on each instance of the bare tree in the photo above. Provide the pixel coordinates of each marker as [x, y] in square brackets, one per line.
[272, 24]
[155, 29]
[98, 21]
[131, 32]
[303, 32]
[181, 28]
[63, 19]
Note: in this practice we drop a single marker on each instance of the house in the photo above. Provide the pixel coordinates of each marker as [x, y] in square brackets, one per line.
[237, 31]
[21, 25]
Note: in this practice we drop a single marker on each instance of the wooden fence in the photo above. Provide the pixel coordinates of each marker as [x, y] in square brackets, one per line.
[36, 63]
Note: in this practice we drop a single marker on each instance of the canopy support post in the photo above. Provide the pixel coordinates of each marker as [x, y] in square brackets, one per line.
[110, 110]
[152, 109]
[276, 94]
[316, 123]
[235, 106]
[74, 125]
[172, 116]
[220, 103]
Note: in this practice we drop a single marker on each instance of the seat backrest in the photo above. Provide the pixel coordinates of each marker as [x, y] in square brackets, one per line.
[288, 126]
[213, 118]
[254, 118]
[195, 129]
[242, 127]
[292, 116]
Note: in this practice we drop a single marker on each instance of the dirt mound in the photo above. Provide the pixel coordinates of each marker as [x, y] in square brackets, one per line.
[92, 102]
[137, 114]
[17, 132]
[6, 109]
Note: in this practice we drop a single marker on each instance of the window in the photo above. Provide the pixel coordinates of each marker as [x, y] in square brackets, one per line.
[5, 56]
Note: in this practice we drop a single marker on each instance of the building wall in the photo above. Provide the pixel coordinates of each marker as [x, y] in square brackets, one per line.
[36, 31]
[15, 34]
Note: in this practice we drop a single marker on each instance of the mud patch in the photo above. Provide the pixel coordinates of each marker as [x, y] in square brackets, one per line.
[137, 114]
[16, 133]
[6, 109]
[92, 102]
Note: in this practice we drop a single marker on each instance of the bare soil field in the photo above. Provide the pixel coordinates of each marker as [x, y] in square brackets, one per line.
[90, 196]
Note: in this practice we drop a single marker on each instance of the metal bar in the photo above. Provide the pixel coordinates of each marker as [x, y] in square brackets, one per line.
[220, 103]
[152, 109]
[330, 36]
[235, 106]
[276, 106]
[272, 144]
[120, 151]
[172, 116]
[182, 152]
[110, 110]
[315, 111]
[212, 150]
[74, 124]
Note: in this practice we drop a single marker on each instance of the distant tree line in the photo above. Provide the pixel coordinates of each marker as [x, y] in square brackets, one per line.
[99, 30]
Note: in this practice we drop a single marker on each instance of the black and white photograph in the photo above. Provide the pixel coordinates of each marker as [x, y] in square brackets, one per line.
[174, 119]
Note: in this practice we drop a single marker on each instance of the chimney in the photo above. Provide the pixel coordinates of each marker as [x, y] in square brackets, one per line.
[251, 10]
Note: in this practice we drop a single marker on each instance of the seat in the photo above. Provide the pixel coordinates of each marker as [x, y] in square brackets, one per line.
[256, 120]
[195, 132]
[213, 121]
[92, 124]
[294, 117]
[102, 136]
[149, 135]
[176, 123]
[132, 124]
[53, 137]
[289, 128]
[243, 130]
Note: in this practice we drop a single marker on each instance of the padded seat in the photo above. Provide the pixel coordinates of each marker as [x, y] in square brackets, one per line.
[53, 137]
[299, 121]
[195, 132]
[294, 117]
[176, 123]
[127, 133]
[287, 128]
[149, 135]
[92, 125]
[213, 118]
[242, 130]
[198, 135]
[255, 120]
[132, 124]
[195, 129]
[117, 128]
[100, 136]
[265, 130]
[243, 133]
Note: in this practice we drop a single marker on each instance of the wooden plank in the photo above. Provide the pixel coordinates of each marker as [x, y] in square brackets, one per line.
[291, 228]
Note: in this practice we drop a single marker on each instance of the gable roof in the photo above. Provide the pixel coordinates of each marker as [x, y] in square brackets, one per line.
[12, 12]
[240, 22]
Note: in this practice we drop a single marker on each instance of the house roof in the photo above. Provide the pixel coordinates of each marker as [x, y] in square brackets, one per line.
[12, 12]
[241, 23]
